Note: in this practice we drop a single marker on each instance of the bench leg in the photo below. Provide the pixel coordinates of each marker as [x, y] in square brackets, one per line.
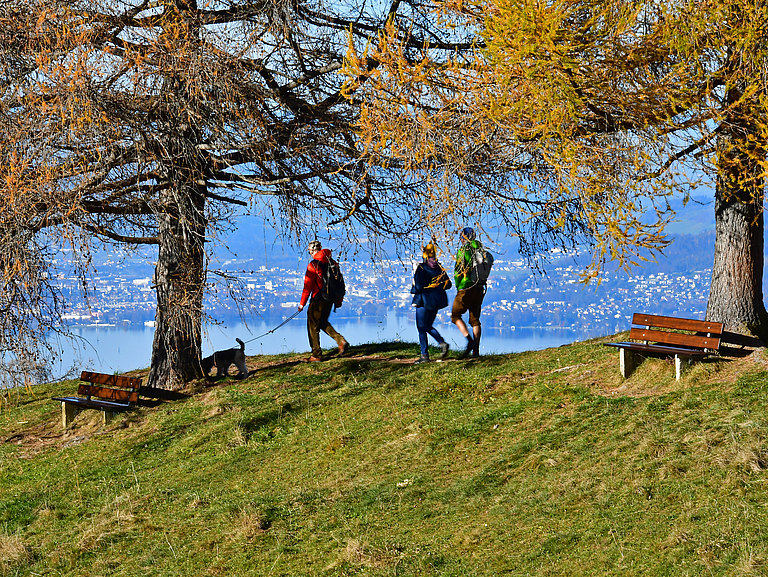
[679, 366]
[627, 362]
[68, 414]
[107, 416]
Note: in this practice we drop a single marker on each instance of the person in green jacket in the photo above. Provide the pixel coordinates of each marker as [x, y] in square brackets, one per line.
[470, 293]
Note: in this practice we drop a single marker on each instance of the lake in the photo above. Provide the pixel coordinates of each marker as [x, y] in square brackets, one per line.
[110, 349]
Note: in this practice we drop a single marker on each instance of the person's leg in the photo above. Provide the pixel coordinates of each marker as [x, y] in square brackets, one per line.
[314, 317]
[474, 307]
[457, 310]
[422, 326]
[429, 322]
[328, 329]
[440, 341]
[462, 326]
[476, 332]
[437, 336]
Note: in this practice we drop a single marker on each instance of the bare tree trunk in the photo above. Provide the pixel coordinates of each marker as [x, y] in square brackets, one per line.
[736, 292]
[179, 280]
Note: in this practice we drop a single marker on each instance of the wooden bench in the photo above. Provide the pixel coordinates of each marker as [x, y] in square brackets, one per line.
[701, 339]
[109, 393]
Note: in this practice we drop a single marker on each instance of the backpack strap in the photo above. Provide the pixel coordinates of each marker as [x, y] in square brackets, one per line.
[320, 267]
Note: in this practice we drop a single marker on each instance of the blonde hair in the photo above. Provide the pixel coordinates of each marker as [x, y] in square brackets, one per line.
[429, 251]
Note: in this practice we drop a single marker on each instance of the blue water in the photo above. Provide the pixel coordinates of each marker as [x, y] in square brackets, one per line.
[119, 349]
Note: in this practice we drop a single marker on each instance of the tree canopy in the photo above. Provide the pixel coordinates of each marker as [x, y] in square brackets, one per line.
[609, 107]
[567, 122]
[147, 122]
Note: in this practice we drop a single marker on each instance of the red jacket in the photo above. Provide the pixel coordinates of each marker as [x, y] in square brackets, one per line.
[313, 278]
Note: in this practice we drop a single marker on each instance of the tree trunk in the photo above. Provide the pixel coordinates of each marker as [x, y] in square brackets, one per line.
[736, 292]
[180, 281]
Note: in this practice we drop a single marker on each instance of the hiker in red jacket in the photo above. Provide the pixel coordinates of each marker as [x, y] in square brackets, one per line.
[319, 308]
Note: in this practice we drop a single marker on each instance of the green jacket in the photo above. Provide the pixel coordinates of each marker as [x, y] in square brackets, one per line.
[462, 269]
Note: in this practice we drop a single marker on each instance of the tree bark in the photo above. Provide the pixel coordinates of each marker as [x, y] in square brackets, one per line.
[736, 292]
[180, 272]
[180, 282]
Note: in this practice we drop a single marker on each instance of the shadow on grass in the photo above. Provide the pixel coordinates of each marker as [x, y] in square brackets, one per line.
[152, 397]
[738, 346]
[388, 358]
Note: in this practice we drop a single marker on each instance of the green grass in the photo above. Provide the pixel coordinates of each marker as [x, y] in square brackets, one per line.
[540, 463]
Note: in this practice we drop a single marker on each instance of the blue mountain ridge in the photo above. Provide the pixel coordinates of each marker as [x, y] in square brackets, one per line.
[251, 243]
[252, 240]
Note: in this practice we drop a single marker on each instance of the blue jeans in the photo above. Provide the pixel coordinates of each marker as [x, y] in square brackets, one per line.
[424, 320]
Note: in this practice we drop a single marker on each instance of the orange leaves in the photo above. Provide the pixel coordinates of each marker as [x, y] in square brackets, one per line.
[395, 80]
[549, 120]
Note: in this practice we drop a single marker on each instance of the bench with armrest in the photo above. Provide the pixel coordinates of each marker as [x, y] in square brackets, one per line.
[108, 393]
[663, 336]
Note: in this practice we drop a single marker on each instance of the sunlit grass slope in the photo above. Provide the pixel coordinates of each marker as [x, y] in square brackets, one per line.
[539, 463]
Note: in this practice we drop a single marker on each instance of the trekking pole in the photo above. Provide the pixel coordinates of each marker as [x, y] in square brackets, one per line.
[293, 316]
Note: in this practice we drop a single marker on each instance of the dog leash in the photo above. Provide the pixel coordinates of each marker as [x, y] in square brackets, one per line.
[293, 316]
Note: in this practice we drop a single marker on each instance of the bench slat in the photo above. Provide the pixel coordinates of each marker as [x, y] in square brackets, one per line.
[111, 380]
[94, 403]
[680, 339]
[121, 395]
[663, 322]
[659, 349]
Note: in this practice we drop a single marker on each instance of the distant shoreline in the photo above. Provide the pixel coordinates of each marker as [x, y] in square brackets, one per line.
[124, 347]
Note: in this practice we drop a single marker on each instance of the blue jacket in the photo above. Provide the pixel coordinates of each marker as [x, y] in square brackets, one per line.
[429, 284]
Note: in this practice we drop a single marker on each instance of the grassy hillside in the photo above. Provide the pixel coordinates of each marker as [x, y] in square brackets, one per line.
[540, 463]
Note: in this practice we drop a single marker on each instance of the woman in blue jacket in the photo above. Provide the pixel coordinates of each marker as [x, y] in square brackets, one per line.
[430, 282]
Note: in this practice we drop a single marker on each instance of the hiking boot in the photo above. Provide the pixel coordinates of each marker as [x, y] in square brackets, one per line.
[343, 347]
[476, 349]
[444, 349]
[421, 360]
[314, 359]
[468, 349]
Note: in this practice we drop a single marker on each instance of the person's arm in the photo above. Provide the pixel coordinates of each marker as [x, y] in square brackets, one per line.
[458, 268]
[419, 279]
[343, 289]
[310, 282]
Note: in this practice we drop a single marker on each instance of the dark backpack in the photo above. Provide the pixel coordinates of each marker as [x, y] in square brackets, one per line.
[333, 289]
[480, 267]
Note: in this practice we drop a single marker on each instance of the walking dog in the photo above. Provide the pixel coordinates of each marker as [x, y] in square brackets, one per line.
[223, 359]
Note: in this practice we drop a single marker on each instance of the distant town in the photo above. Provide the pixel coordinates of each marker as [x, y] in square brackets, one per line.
[121, 293]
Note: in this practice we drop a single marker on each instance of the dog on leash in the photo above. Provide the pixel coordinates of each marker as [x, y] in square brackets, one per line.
[223, 359]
